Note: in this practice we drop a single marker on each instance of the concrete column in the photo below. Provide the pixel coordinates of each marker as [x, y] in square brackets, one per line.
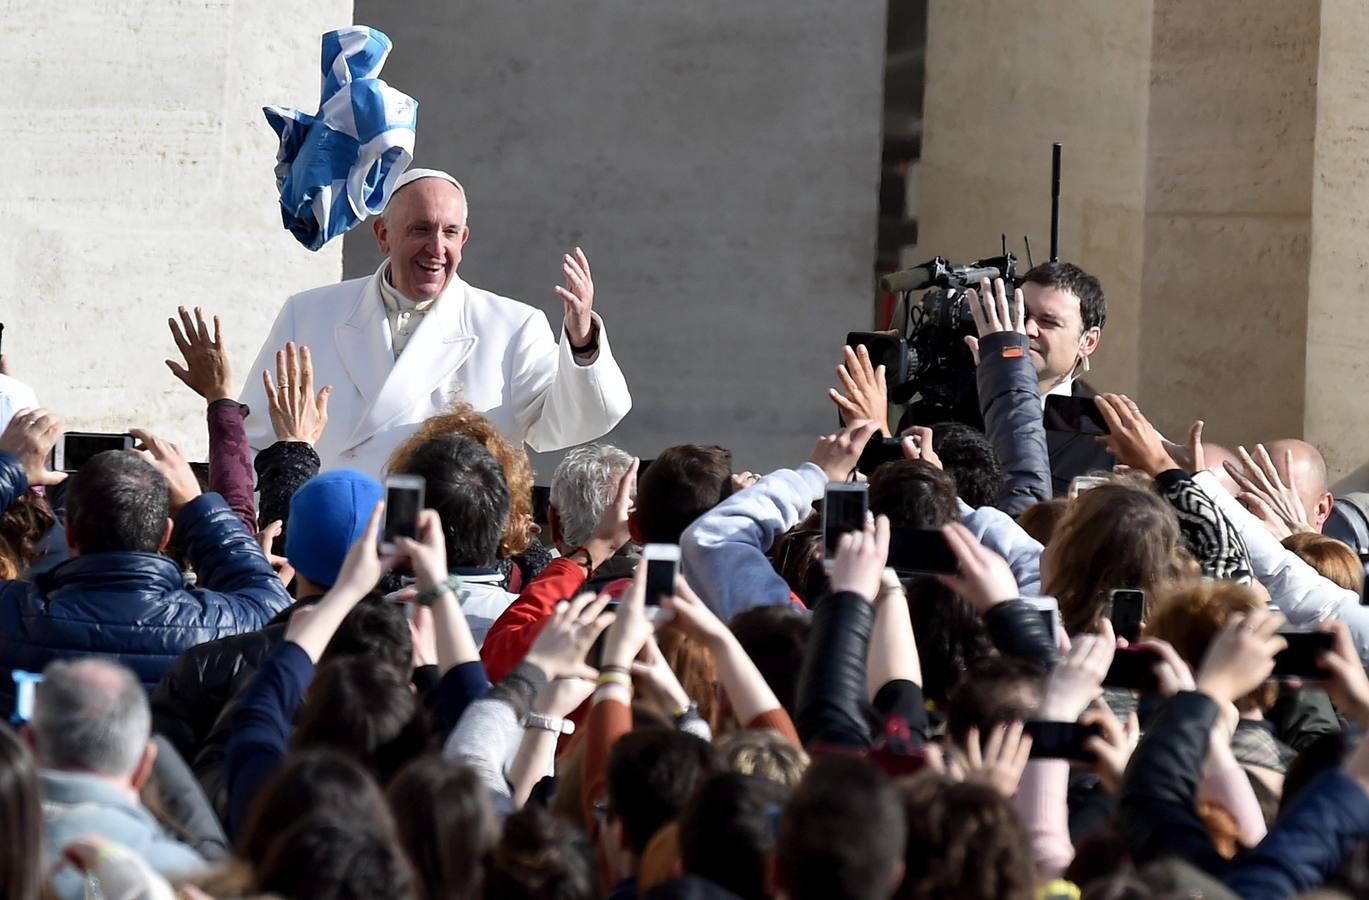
[139, 177]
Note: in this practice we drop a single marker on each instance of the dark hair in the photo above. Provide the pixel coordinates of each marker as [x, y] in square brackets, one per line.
[968, 457]
[914, 494]
[22, 870]
[1093, 308]
[842, 832]
[797, 557]
[466, 486]
[314, 781]
[541, 857]
[22, 526]
[366, 710]
[775, 637]
[652, 773]
[995, 690]
[681, 484]
[117, 502]
[949, 633]
[325, 856]
[727, 832]
[446, 825]
[376, 629]
[964, 841]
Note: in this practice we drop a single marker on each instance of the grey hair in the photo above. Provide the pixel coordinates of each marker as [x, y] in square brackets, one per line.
[583, 486]
[90, 715]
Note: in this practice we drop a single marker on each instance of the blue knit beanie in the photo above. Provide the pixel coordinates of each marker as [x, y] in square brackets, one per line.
[327, 515]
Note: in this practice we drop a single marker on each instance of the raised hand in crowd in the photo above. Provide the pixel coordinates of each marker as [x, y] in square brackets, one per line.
[861, 555]
[992, 313]
[208, 370]
[565, 639]
[612, 532]
[452, 638]
[1277, 504]
[168, 459]
[1241, 656]
[997, 759]
[1172, 673]
[30, 436]
[578, 299]
[1134, 441]
[296, 412]
[652, 670]
[1078, 678]
[1346, 682]
[837, 454]
[266, 538]
[985, 579]
[916, 443]
[1112, 750]
[866, 394]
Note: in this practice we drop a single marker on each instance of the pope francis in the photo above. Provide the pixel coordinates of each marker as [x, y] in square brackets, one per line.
[397, 347]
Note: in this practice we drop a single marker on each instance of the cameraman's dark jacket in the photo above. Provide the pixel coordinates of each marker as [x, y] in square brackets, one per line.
[136, 607]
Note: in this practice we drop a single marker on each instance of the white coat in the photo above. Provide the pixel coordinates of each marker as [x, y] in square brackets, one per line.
[492, 352]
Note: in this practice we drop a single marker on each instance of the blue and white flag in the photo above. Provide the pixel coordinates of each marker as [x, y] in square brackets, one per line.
[337, 167]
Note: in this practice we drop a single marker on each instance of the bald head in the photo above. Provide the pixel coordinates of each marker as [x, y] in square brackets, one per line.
[422, 231]
[1302, 465]
[1215, 458]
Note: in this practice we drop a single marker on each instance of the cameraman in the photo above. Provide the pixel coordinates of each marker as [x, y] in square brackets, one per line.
[1054, 323]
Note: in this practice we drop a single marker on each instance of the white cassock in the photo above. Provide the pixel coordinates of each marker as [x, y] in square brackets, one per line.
[494, 353]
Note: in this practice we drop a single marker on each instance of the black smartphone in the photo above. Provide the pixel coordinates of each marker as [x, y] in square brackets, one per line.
[1133, 669]
[887, 350]
[1125, 609]
[1075, 414]
[403, 502]
[877, 452]
[844, 508]
[919, 551]
[1299, 658]
[662, 566]
[541, 502]
[1061, 740]
[77, 447]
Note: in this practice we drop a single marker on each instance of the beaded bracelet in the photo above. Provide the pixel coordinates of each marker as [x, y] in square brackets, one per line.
[451, 584]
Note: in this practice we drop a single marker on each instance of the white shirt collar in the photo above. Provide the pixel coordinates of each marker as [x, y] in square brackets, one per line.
[1063, 389]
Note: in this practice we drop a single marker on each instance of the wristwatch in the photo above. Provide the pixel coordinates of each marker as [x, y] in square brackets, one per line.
[549, 723]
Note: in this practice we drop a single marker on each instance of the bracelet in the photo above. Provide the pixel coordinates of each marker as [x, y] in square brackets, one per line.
[549, 723]
[615, 668]
[450, 585]
[619, 678]
[590, 345]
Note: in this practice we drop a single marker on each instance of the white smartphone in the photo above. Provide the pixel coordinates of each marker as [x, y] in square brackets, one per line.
[403, 501]
[1049, 610]
[76, 447]
[662, 568]
[1086, 483]
[845, 507]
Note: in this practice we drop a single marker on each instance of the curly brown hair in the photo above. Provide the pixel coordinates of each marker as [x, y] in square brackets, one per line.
[22, 526]
[461, 418]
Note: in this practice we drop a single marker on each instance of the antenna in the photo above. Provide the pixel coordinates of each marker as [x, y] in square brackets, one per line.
[1028, 243]
[1055, 202]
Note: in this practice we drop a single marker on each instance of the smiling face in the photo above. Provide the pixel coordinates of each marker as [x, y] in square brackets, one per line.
[422, 231]
[1055, 327]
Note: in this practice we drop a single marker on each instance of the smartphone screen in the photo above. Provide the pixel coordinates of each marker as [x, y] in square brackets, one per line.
[1075, 414]
[1133, 669]
[843, 509]
[77, 447]
[1061, 740]
[403, 501]
[1125, 613]
[662, 565]
[1299, 658]
[921, 552]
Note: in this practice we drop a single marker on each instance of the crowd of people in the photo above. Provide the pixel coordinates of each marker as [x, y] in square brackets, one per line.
[222, 687]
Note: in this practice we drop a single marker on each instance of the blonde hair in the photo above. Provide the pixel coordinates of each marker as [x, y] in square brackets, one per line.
[765, 753]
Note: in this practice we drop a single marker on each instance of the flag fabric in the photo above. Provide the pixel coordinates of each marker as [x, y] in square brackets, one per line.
[338, 166]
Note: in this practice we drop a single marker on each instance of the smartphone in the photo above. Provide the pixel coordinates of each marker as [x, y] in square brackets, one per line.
[1125, 607]
[1086, 483]
[662, 567]
[877, 452]
[24, 683]
[1299, 658]
[1133, 669]
[541, 502]
[919, 551]
[1078, 414]
[77, 447]
[1061, 740]
[844, 509]
[403, 502]
[1048, 608]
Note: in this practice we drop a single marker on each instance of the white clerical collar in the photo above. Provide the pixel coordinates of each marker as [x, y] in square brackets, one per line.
[395, 301]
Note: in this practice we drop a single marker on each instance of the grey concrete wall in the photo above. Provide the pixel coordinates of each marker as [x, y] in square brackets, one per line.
[139, 177]
[718, 162]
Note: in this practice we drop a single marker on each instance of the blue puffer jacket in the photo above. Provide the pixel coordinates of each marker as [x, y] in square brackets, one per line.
[135, 607]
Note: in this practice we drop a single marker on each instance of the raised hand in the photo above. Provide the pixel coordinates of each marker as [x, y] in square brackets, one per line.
[167, 459]
[861, 555]
[1277, 504]
[428, 554]
[30, 436]
[567, 635]
[578, 298]
[296, 412]
[1112, 751]
[1241, 656]
[267, 539]
[1078, 678]
[208, 370]
[1346, 681]
[837, 454]
[1134, 441]
[654, 671]
[630, 627]
[984, 579]
[867, 392]
[991, 312]
[916, 443]
[612, 531]
[1171, 671]
[999, 759]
